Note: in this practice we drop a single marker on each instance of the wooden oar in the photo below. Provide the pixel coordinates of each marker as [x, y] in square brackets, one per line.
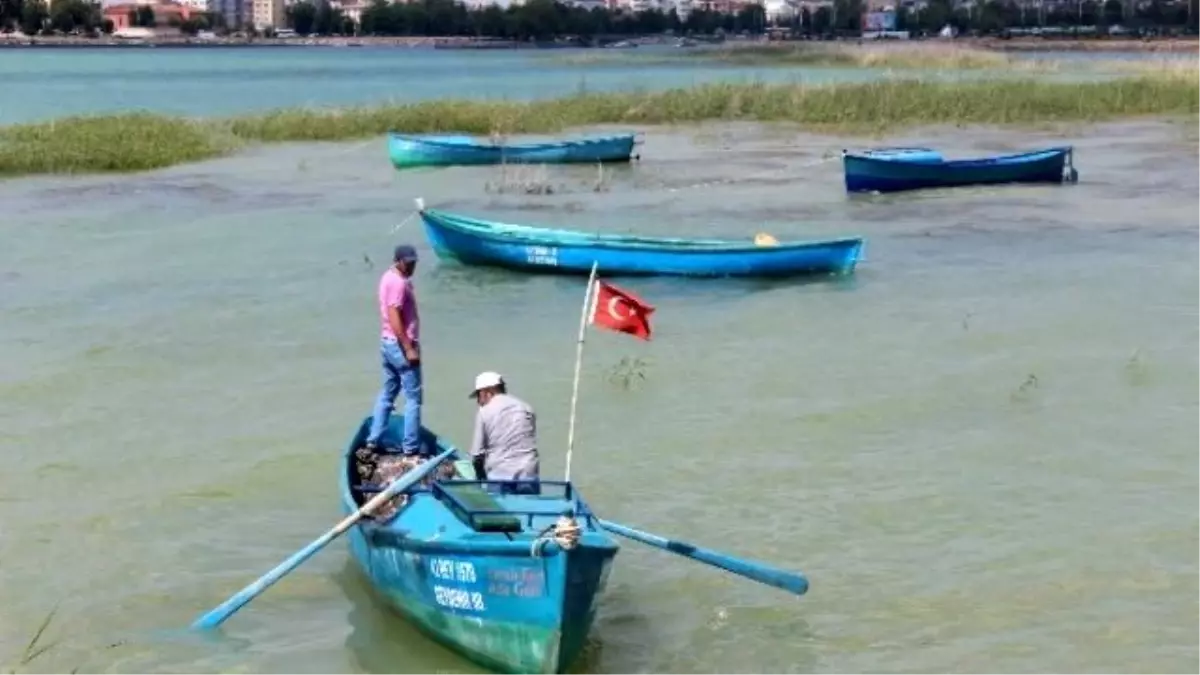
[226, 609]
[763, 574]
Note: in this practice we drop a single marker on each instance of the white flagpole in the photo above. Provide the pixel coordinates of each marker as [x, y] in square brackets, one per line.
[588, 300]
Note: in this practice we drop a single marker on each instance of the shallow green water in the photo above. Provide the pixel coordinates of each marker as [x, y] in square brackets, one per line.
[202, 338]
[982, 449]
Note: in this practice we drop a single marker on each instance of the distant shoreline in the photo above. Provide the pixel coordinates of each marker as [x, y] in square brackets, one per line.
[177, 42]
[1170, 45]
[1174, 45]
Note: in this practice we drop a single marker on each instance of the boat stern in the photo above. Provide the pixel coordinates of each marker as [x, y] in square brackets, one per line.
[584, 578]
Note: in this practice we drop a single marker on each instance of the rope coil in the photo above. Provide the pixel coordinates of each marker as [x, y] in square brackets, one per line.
[565, 532]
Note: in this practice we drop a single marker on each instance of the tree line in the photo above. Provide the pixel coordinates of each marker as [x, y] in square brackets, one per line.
[543, 20]
[84, 17]
[1000, 16]
[64, 16]
[534, 20]
[547, 19]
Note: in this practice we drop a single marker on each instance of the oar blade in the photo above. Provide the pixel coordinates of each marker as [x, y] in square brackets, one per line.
[762, 573]
[219, 614]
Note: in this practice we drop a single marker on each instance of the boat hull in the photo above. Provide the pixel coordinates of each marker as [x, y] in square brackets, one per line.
[900, 169]
[476, 242]
[541, 632]
[415, 151]
[497, 599]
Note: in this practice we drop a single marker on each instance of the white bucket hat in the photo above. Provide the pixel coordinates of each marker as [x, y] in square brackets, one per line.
[486, 379]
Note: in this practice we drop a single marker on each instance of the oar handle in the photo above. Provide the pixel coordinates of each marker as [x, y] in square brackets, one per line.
[226, 609]
[763, 574]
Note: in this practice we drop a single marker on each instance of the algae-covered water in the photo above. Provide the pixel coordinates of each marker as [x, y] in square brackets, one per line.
[981, 449]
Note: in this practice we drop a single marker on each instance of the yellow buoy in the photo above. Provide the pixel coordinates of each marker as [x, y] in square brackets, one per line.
[764, 239]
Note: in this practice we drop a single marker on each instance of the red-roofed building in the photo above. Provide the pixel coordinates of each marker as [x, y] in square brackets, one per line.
[166, 13]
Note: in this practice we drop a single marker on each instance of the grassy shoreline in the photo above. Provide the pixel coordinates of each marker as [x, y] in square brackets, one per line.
[140, 141]
[901, 55]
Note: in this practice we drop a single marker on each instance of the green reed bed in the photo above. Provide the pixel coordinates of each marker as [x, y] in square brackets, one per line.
[113, 143]
[136, 142]
[913, 55]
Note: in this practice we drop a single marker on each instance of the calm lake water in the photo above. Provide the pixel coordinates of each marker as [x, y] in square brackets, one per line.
[45, 83]
[981, 449]
[52, 83]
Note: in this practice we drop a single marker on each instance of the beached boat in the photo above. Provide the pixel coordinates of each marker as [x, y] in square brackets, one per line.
[896, 169]
[508, 580]
[411, 151]
[481, 242]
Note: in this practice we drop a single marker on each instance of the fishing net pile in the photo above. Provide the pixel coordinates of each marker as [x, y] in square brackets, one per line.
[381, 468]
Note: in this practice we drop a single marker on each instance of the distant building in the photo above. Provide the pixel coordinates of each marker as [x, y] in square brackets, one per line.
[266, 14]
[167, 16]
[351, 9]
[481, 4]
[237, 14]
[780, 11]
[681, 7]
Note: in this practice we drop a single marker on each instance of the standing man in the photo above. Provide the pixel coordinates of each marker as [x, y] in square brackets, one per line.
[504, 446]
[401, 351]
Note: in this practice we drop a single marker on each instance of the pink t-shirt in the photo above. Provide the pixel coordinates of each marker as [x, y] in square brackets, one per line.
[397, 291]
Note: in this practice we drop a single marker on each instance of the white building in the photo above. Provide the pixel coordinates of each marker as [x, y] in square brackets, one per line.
[780, 11]
[266, 14]
[351, 9]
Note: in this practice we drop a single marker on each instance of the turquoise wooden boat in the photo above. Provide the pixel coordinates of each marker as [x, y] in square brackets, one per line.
[493, 575]
[897, 169]
[408, 151]
[482, 242]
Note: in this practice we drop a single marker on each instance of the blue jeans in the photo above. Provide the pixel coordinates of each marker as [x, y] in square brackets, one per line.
[398, 375]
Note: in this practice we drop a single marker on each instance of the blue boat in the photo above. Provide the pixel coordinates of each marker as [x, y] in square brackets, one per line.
[508, 580]
[897, 169]
[480, 242]
[411, 151]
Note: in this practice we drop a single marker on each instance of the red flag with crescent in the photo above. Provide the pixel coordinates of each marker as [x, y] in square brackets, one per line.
[621, 311]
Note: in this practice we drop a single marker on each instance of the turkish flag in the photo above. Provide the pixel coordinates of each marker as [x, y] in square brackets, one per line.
[621, 311]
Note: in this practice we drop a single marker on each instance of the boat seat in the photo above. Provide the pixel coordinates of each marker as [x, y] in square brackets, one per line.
[475, 498]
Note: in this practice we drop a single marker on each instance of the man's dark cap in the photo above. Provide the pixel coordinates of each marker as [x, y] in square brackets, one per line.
[404, 253]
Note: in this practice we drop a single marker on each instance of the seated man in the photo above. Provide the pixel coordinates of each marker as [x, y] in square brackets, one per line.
[504, 446]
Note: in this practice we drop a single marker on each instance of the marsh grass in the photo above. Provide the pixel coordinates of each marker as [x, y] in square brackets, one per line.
[916, 55]
[843, 107]
[137, 142]
[37, 645]
[116, 143]
[527, 179]
[628, 373]
[1163, 68]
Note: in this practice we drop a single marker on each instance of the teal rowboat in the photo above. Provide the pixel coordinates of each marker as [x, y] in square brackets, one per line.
[408, 151]
[508, 580]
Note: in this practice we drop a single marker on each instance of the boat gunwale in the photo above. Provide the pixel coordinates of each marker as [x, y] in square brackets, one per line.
[475, 146]
[474, 543]
[536, 236]
[984, 161]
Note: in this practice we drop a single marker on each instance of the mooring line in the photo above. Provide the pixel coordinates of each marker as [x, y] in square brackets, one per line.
[404, 222]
